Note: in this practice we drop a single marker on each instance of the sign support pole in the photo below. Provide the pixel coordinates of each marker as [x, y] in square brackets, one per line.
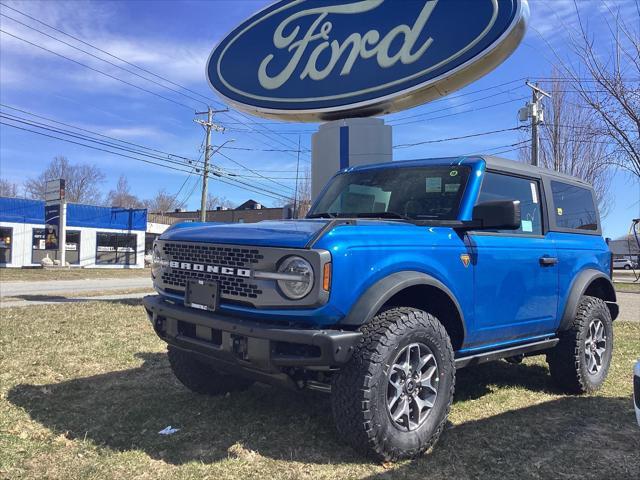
[63, 233]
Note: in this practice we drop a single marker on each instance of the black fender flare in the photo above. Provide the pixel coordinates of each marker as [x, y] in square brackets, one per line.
[578, 288]
[380, 292]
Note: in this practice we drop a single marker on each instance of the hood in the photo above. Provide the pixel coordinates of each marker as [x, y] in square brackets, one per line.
[268, 233]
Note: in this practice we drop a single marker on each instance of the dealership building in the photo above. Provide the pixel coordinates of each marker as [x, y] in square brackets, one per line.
[107, 237]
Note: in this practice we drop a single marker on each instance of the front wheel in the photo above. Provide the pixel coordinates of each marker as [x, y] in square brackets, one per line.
[580, 362]
[392, 399]
[627, 267]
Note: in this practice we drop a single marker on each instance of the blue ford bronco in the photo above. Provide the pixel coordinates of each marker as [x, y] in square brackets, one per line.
[401, 274]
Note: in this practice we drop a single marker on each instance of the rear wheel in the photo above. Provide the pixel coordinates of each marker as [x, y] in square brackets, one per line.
[580, 362]
[393, 397]
[199, 377]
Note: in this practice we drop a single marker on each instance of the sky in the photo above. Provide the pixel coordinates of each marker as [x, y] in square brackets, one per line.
[174, 39]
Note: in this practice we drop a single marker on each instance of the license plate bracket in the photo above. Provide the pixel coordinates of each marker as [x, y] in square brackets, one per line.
[201, 294]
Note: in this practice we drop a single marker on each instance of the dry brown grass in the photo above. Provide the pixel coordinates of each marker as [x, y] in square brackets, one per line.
[35, 274]
[85, 388]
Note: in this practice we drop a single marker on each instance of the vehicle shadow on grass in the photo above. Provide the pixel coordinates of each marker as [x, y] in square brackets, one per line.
[125, 410]
[570, 437]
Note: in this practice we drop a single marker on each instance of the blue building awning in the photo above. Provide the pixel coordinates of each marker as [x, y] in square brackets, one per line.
[21, 210]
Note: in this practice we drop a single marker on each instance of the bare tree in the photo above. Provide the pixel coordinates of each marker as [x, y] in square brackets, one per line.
[607, 78]
[213, 201]
[8, 189]
[303, 198]
[82, 181]
[569, 143]
[163, 202]
[122, 196]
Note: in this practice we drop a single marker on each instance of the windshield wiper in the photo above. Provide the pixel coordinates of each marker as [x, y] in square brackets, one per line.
[322, 215]
[385, 215]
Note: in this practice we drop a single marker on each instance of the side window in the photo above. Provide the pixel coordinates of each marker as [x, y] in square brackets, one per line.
[574, 207]
[497, 186]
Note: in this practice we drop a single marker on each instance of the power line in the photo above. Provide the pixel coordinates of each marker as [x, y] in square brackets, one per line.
[440, 140]
[226, 180]
[101, 50]
[169, 156]
[461, 112]
[94, 133]
[62, 131]
[102, 59]
[98, 71]
[140, 68]
[456, 106]
[253, 171]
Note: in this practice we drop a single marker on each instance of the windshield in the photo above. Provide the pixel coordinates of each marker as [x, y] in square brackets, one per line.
[412, 193]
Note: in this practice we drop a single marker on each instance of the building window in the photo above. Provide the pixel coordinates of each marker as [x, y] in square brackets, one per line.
[6, 241]
[496, 186]
[574, 207]
[116, 248]
[38, 252]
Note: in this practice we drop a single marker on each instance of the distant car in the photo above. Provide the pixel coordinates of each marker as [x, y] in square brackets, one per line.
[636, 390]
[624, 263]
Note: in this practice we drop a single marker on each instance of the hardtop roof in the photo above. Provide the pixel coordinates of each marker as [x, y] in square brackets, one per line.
[492, 163]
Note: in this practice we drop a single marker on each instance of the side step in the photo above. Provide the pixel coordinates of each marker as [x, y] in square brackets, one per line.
[505, 352]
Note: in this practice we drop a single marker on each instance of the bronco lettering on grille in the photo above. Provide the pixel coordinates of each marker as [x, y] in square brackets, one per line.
[216, 269]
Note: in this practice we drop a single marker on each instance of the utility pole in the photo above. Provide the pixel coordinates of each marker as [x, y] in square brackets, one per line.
[208, 126]
[533, 111]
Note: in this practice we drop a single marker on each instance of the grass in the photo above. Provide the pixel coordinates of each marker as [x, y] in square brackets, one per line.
[85, 388]
[18, 274]
[62, 297]
[627, 287]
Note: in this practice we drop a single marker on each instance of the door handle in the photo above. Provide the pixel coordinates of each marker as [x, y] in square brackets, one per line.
[548, 261]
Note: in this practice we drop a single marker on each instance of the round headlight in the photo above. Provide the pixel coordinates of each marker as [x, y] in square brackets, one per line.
[156, 262]
[301, 285]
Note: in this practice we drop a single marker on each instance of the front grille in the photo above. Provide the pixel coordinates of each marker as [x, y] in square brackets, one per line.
[233, 268]
[230, 286]
[636, 390]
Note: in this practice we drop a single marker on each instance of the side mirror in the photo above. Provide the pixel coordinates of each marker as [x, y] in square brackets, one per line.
[498, 215]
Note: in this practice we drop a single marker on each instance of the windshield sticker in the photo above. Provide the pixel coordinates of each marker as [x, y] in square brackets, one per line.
[434, 184]
[453, 173]
[451, 187]
[527, 226]
[559, 210]
[534, 192]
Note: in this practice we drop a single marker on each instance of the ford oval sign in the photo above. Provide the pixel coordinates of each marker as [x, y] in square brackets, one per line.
[310, 60]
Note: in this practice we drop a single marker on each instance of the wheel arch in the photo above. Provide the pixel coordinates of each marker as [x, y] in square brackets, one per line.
[411, 289]
[593, 283]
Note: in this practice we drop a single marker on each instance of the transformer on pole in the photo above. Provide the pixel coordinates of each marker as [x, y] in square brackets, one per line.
[534, 111]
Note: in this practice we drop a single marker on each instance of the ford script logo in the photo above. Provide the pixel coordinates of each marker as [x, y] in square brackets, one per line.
[310, 60]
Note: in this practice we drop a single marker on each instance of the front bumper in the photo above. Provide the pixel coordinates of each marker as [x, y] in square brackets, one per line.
[230, 343]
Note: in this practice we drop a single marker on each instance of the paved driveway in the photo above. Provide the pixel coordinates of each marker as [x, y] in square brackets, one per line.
[72, 287]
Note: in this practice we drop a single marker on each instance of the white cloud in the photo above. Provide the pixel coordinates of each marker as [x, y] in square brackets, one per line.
[183, 63]
[133, 132]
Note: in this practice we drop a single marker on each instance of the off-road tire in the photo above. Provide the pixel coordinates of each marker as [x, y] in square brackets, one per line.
[567, 360]
[359, 390]
[200, 377]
